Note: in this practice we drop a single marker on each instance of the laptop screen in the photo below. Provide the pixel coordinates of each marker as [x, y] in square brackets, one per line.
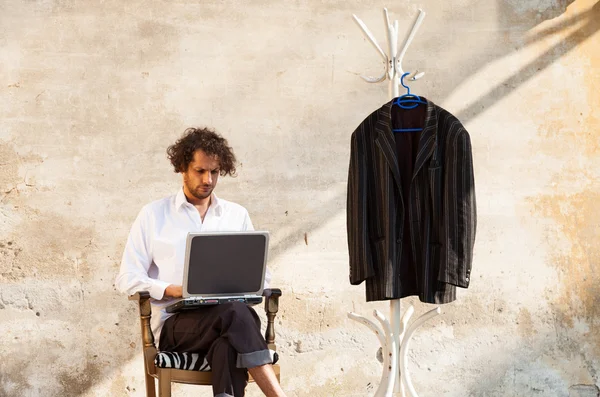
[226, 263]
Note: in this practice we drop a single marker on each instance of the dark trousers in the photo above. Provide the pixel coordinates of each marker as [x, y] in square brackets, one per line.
[228, 335]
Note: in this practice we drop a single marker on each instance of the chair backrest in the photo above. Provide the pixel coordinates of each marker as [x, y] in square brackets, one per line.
[148, 346]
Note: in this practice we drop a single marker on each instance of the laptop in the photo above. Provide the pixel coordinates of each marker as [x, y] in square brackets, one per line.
[222, 267]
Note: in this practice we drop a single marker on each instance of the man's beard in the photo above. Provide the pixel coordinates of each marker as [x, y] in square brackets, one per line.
[198, 191]
[201, 194]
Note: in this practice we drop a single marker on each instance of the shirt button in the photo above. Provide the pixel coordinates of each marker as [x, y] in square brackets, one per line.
[467, 279]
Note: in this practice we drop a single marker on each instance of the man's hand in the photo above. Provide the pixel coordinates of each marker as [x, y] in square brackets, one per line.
[173, 291]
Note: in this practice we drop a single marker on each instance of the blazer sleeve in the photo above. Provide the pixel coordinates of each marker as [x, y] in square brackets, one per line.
[361, 261]
[460, 212]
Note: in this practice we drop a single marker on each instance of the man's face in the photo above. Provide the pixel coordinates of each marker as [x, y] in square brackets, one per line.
[201, 176]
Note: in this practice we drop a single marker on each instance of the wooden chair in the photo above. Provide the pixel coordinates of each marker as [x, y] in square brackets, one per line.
[167, 375]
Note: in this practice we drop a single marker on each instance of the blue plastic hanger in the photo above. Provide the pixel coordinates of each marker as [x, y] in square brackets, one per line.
[408, 101]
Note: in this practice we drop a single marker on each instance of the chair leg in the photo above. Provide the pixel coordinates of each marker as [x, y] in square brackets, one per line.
[150, 386]
[164, 382]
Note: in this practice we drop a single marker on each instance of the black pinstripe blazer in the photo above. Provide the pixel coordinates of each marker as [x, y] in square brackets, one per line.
[441, 209]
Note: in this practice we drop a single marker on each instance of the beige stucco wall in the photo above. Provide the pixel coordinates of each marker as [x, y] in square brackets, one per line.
[91, 93]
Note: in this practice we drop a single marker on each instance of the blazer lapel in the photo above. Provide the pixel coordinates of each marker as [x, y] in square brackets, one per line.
[427, 141]
[386, 141]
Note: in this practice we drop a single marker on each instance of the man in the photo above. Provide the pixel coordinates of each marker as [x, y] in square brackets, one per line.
[229, 334]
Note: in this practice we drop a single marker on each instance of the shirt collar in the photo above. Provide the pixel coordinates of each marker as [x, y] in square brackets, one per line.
[215, 203]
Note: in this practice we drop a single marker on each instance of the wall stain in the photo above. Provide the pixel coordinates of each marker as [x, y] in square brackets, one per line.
[12, 381]
[9, 170]
[119, 386]
[156, 41]
[46, 246]
[526, 326]
[578, 219]
[40, 244]
[77, 383]
[570, 134]
[15, 175]
[305, 314]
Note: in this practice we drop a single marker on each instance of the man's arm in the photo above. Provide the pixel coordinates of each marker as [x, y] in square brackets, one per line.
[137, 258]
[247, 225]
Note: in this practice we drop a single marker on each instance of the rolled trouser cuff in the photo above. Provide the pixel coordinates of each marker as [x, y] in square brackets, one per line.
[254, 359]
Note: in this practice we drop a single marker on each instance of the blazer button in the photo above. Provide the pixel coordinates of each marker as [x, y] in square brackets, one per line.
[399, 240]
[467, 279]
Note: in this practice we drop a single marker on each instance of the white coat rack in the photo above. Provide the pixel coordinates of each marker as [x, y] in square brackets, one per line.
[395, 336]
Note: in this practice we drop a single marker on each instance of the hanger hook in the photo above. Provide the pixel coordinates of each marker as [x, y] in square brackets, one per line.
[402, 82]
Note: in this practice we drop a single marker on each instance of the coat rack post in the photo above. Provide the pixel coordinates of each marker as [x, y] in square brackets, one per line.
[394, 335]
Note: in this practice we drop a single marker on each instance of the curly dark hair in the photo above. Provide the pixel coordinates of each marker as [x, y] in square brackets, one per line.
[182, 152]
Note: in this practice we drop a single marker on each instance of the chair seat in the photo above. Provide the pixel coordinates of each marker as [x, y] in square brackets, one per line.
[190, 361]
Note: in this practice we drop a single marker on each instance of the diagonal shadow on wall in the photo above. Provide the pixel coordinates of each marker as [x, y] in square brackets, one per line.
[590, 20]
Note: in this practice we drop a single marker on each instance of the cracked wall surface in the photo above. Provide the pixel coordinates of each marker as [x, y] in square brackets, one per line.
[92, 93]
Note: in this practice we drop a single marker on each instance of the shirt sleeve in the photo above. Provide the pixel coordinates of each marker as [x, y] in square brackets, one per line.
[249, 226]
[137, 258]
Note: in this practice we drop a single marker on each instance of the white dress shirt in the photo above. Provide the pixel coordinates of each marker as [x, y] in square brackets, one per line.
[155, 250]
